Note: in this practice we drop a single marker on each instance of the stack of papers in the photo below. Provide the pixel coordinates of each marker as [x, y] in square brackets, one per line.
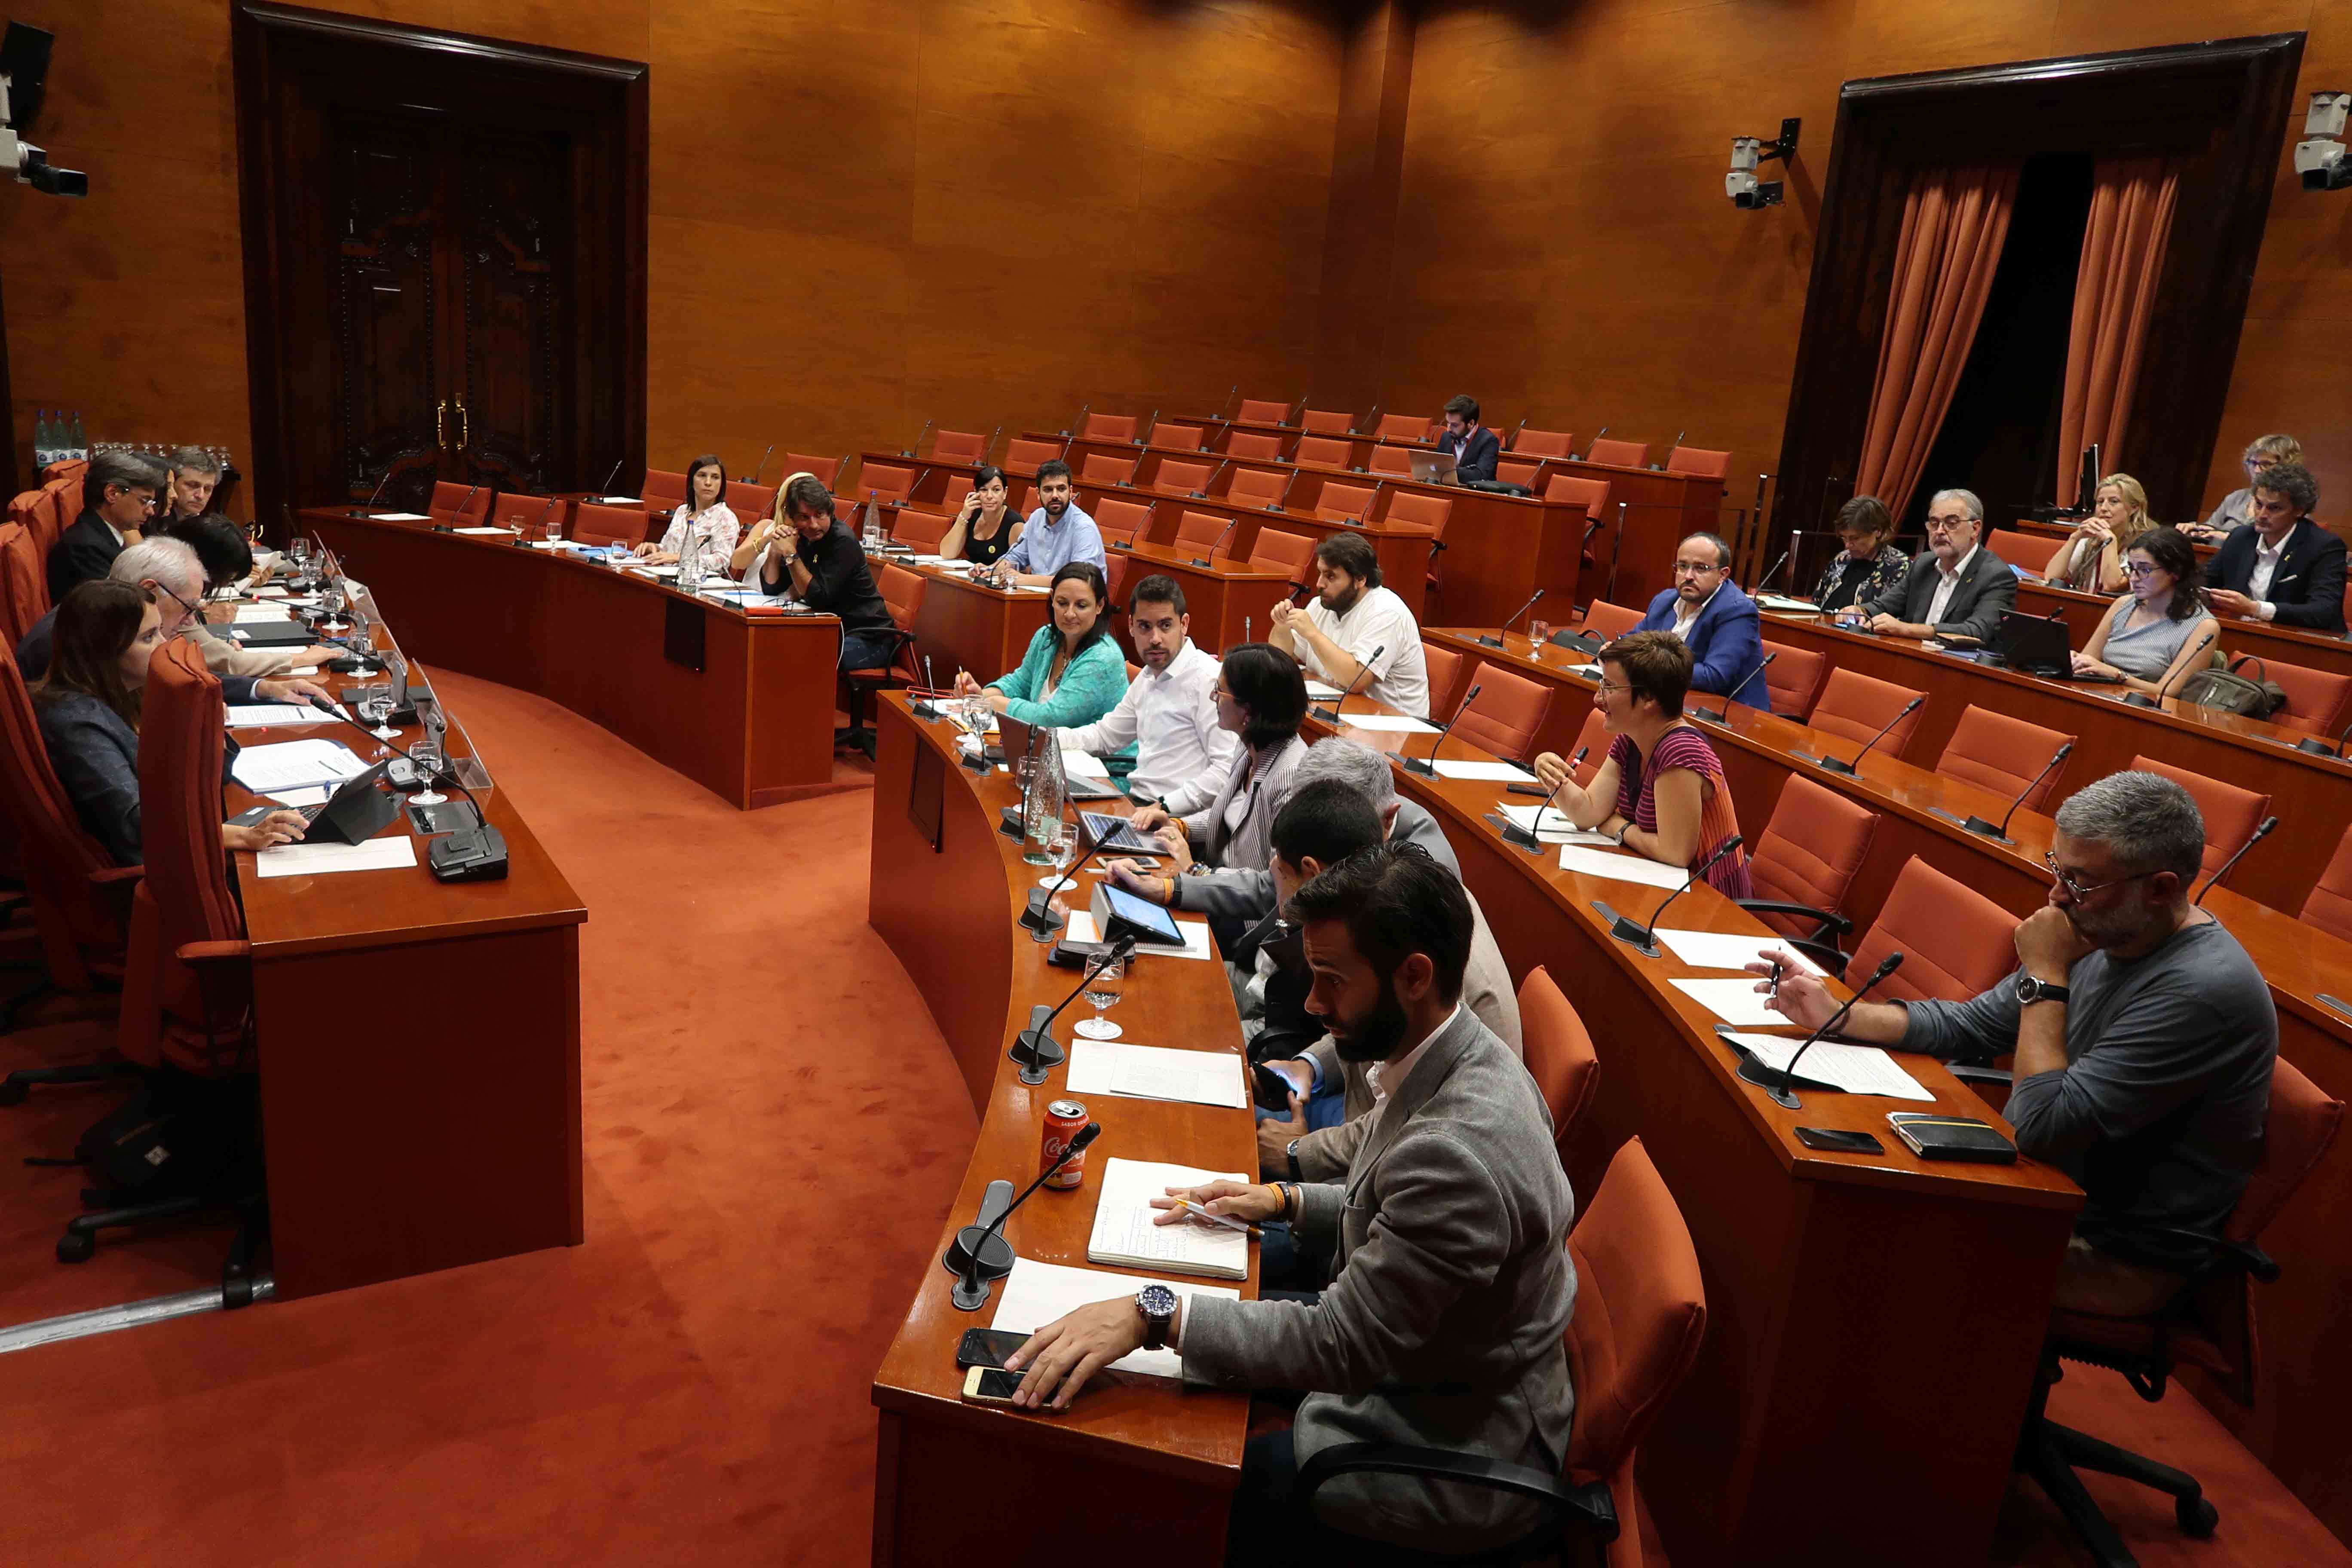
[246, 613]
[1728, 950]
[1124, 1233]
[1150, 1072]
[295, 764]
[1036, 1293]
[1557, 828]
[1494, 773]
[315, 859]
[1620, 865]
[259, 715]
[1387, 724]
[1857, 1070]
[1783, 602]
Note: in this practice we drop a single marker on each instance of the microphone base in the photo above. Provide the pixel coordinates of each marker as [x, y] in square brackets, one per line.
[469, 855]
[1329, 715]
[2316, 748]
[1426, 769]
[1711, 717]
[1519, 838]
[970, 1295]
[1831, 764]
[1039, 920]
[1772, 1080]
[1637, 937]
[2141, 699]
[1973, 824]
[1038, 1055]
[995, 1260]
[1490, 642]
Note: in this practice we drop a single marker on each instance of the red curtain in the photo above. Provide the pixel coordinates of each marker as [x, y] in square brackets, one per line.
[1955, 221]
[2115, 291]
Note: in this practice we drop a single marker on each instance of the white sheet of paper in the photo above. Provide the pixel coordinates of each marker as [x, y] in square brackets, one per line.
[504, 530]
[317, 859]
[1619, 867]
[1735, 1002]
[1387, 724]
[304, 669]
[1035, 588]
[1557, 828]
[315, 795]
[271, 592]
[1783, 602]
[1320, 691]
[295, 764]
[1155, 1072]
[1085, 765]
[1857, 1070]
[263, 614]
[1496, 773]
[400, 517]
[260, 715]
[618, 500]
[1123, 1232]
[1727, 950]
[1035, 1293]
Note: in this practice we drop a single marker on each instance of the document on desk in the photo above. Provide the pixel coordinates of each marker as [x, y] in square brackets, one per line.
[1857, 1070]
[1493, 773]
[295, 764]
[1557, 828]
[1085, 765]
[316, 859]
[1727, 950]
[1197, 941]
[1387, 724]
[1153, 1072]
[1033, 588]
[1783, 602]
[246, 613]
[1619, 867]
[260, 715]
[1736, 1002]
[1036, 1293]
[619, 501]
[1322, 691]
[508, 532]
[400, 517]
[1124, 1234]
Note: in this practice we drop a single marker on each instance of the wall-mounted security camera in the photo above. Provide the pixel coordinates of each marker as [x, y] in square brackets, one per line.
[1746, 151]
[2319, 158]
[23, 69]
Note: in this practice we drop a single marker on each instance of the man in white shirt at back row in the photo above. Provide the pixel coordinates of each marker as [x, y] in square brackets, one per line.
[1356, 628]
[1170, 712]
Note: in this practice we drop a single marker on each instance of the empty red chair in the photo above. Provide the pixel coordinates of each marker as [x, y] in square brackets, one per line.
[2315, 698]
[1506, 713]
[594, 524]
[1619, 454]
[2230, 813]
[2329, 906]
[883, 482]
[533, 516]
[1405, 428]
[1607, 621]
[2001, 754]
[1257, 487]
[1955, 944]
[1326, 422]
[2030, 552]
[663, 489]
[1022, 457]
[1172, 479]
[1522, 471]
[750, 502]
[1198, 531]
[1592, 493]
[846, 509]
[1107, 427]
[1392, 460]
[1121, 522]
[1343, 503]
[1178, 437]
[1254, 447]
[24, 589]
[1793, 680]
[1529, 443]
[920, 530]
[1443, 666]
[958, 446]
[465, 506]
[1806, 859]
[1431, 512]
[1592, 743]
[1262, 411]
[1321, 452]
[826, 469]
[1289, 553]
[1699, 463]
[1560, 1055]
[1855, 707]
[1101, 468]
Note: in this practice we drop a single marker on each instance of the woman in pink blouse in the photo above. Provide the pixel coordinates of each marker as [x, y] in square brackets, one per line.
[703, 516]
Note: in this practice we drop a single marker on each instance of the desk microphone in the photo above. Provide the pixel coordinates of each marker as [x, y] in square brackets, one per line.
[1370, 420]
[1331, 715]
[460, 515]
[1588, 445]
[929, 707]
[1034, 1048]
[1427, 766]
[371, 499]
[1531, 838]
[1277, 503]
[2253, 838]
[969, 1259]
[1149, 426]
[1211, 482]
[2000, 835]
[1834, 765]
[910, 451]
[1231, 523]
[1766, 575]
[1228, 403]
[611, 476]
[1737, 687]
[2319, 748]
[1039, 920]
[476, 854]
[1642, 939]
[763, 462]
[1496, 640]
[1781, 1084]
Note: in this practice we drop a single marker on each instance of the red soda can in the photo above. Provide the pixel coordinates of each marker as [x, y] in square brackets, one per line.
[1064, 1119]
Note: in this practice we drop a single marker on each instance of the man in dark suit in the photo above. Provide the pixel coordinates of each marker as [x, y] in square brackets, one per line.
[1707, 611]
[2282, 566]
[118, 497]
[1473, 444]
[1958, 589]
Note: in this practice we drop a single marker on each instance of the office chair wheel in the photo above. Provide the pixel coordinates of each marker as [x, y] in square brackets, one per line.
[2196, 1516]
[76, 1247]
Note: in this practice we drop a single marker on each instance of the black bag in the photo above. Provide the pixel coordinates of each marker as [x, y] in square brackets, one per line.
[2251, 697]
[175, 1135]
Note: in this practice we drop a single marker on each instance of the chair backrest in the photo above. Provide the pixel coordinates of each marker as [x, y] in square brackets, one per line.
[1519, 470]
[1543, 443]
[21, 505]
[24, 588]
[1510, 709]
[1172, 479]
[951, 501]
[1793, 680]
[1022, 457]
[1392, 460]
[1115, 567]
[59, 506]
[1276, 550]
[1559, 1054]
[1320, 452]
[594, 524]
[1118, 520]
[1442, 668]
[1255, 446]
[1431, 512]
[2329, 906]
[1592, 739]
[526, 514]
[2230, 813]
[846, 509]
[1995, 752]
[2028, 551]
[1326, 422]
[1405, 428]
[465, 505]
[1179, 437]
[1255, 486]
[1262, 411]
[1641, 1312]
[1593, 493]
[1956, 942]
[920, 530]
[1608, 621]
[824, 469]
[1810, 851]
[751, 502]
[883, 482]
[663, 490]
[1856, 707]
[58, 858]
[1102, 469]
[958, 446]
[1107, 427]
[1619, 454]
[1343, 503]
[1699, 463]
[1197, 531]
[2315, 698]
[902, 592]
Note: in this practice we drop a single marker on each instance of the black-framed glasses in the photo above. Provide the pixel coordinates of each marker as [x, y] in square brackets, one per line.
[2075, 888]
[2139, 568]
[1683, 568]
[175, 598]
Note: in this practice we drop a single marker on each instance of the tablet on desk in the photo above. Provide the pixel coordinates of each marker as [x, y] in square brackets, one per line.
[1119, 913]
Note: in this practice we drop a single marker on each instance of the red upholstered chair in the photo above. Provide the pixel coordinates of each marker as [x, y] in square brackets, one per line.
[59, 506]
[2230, 813]
[902, 592]
[849, 509]
[1102, 469]
[2315, 698]
[958, 446]
[533, 516]
[23, 586]
[1506, 713]
[1527, 471]
[883, 482]
[1022, 457]
[1257, 487]
[1794, 679]
[1607, 621]
[1343, 503]
[1699, 463]
[1320, 452]
[826, 469]
[951, 501]
[1254, 447]
[1405, 428]
[1431, 512]
[1618, 454]
[21, 504]
[1279, 551]
[1262, 411]
[919, 531]
[1592, 739]
[1121, 521]
[1392, 460]
[594, 524]
[1115, 567]
[1593, 493]
[1443, 668]
[663, 490]
[1107, 427]
[1855, 707]
[751, 502]
[1178, 437]
[1196, 532]
[1529, 443]
[1956, 942]
[1559, 1056]
[1327, 422]
[464, 505]
[1172, 479]
[2329, 906]
[1997, 752]
[1804, 862]
[2028, 551]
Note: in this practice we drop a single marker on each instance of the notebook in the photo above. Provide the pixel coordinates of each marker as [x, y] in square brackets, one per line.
[1124, 1234]
[1935, 1136]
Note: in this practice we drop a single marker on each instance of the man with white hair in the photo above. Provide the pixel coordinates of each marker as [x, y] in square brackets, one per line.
[1957, 591]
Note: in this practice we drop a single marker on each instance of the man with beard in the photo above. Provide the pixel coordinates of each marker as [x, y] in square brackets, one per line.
[1058, 533]
[1443, 1324]
[2144, 1036]
[1170, 712]
[1958, 589]
[1353, 625]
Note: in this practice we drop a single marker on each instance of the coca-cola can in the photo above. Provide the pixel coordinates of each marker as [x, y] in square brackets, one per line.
[1064, 1119]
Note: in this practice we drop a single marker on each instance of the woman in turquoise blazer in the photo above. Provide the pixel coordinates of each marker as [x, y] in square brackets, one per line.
[1073, 672]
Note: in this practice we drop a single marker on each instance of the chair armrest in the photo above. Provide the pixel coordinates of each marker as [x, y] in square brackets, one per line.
[214, 951]
[1831, 921]
[112, 876]
[1589, 1507]
[2228, 1254]
[115, 884]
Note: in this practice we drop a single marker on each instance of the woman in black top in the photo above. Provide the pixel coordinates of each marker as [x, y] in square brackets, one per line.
[1868, 565]
[984, 528]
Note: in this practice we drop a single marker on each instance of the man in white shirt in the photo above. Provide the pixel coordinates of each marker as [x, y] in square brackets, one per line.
[1169, 714]
[1357, 634]
[1957, 591]
[2282, 567]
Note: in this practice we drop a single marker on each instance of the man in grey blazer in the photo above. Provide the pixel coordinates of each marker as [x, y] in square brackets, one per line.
[1958, 589]
[1442, 1326]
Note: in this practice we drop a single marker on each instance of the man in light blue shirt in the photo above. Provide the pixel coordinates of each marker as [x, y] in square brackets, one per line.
[1057, 534]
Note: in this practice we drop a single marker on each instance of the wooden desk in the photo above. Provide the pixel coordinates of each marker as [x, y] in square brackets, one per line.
[2265, 640]
[1229, 603]
[969, 625]
[1139, 1468]
[753, 724]
[419, 1054]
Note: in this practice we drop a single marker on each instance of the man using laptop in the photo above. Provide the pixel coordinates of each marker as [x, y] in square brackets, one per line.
[2283, 566]
[1473, 447]
[1958, 591]
[1170, 712]
[1356, 628]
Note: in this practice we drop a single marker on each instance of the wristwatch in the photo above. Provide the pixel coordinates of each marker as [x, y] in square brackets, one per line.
[1157, 1303]
[2030, 991]
[1291, 1149]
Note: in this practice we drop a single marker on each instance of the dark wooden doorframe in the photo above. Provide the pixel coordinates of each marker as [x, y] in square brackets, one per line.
[282, 54]
[2227, 106]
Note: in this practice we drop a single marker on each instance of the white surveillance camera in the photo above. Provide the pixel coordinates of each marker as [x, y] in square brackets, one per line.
[2326, 115]
[1743, 152]
[1738, 183]
[2316, 157]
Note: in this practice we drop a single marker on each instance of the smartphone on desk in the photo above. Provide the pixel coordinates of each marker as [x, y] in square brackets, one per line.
[1838, 1140]
[991, 1385]
[988, 1347]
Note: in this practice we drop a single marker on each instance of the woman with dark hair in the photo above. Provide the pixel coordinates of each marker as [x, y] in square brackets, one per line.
[703, 516]
[1262, 697]
[1073, 672]
[87, 709]
[227, 556]
[1662, 792]
[2161, 630]
[1868, 565]
[984, 528]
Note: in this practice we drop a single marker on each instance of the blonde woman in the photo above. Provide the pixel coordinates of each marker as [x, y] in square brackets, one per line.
[2238, 507]
[775, 526]
[2093, 557]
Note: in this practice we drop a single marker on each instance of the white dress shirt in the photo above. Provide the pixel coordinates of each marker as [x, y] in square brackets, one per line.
[1687, 613]
[1947, 583]
[1379, 619]
[1171, 717]
[1386, 1077]
[2266, 564]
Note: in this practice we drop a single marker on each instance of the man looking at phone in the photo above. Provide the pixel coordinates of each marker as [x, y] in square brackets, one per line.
[1058, 532]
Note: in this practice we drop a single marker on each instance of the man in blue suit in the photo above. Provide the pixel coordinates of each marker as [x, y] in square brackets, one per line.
[1706, 610]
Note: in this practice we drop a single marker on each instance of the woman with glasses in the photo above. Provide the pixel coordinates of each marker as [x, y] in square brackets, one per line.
[1662, 792]
[2238, 507]
[2161, 630]
[1868, 565]
[2092, 559]
[1261, 696]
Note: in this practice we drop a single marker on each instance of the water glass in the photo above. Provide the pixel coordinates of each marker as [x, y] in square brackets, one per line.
[1539, 631]
[1061, 843]
[1106, 983]
[431, 762]
[377, 710]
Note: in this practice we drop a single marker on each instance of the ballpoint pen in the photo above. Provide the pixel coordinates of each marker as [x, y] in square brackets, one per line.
[1187, 1206]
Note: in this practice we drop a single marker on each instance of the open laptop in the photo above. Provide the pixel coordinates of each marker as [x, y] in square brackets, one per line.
[1431, 467]
[2035, 644]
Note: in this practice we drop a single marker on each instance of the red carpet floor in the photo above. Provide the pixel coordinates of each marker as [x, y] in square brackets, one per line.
[773, 1135]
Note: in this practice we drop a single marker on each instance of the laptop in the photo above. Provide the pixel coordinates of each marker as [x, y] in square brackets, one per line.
[1431, 467]
[2035, 644]
[1115, 832]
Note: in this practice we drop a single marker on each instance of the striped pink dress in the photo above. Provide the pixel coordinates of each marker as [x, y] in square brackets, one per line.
[1637, 799]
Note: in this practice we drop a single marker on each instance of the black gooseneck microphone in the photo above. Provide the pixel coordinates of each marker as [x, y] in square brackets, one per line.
[1642, 939]
[1834, 765]
[1228, 403]
[909, 450]
[378, 492]
[1781, 1084]
[1039, 920]
[1363, 668]
[971, 1260]
[2253, 838]
[1149, 426]
[763, 462]
[460, 513]
[2319, 748]
[1231, 525]
[476, 854]
[1278, 503]
[1211, 482]
[1034, 1048]
[1531, 838]
[606, 487]
[1427, 766]
[1719, 716]
[1766, 575]
[1999, 834]
[1497, 639]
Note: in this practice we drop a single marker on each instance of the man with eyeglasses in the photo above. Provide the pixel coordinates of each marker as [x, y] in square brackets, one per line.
[1718, 622]
[118, 497]
[2144, 1039]
[1957, 592]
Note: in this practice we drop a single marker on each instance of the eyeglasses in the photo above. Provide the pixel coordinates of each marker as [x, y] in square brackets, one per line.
[1946, 524]
[2075, 888]
[1610, 686]
[1694, 568]
[2139, 568]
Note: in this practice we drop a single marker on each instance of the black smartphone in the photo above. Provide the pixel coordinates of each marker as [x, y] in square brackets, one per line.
[1838, 1140]
[1536, 790]
[250, 816]
[988, 1347]
[988, 1385]
[1270, 1089]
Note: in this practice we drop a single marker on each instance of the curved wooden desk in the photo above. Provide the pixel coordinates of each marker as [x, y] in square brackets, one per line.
[1139, 1468]
[740, 703]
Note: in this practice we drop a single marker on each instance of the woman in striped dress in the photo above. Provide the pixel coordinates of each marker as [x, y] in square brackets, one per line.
[1662, 792]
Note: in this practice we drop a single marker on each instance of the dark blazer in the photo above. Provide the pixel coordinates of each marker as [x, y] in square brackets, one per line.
[82, 552]
[2309, 586]
[96, 756]
[1476, 458]
[1726, 644]
[1987, 590]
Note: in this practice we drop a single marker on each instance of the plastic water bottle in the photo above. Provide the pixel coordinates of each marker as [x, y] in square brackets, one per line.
[689, 561]
[45, 440]
[872, 525]
[80, 442]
